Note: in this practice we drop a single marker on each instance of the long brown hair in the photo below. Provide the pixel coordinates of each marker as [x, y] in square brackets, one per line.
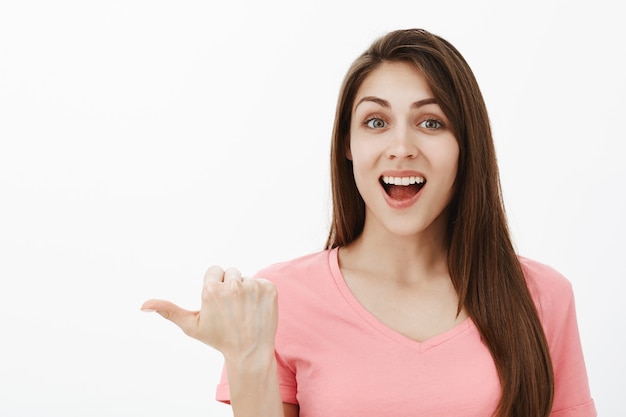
[482, 262]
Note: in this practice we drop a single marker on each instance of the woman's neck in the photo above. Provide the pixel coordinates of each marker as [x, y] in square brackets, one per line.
[406, 258]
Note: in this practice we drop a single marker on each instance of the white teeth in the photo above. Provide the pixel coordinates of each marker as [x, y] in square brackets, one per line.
[403, 180]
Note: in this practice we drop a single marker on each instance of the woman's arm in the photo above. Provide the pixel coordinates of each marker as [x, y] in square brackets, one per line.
[253, 385]
[239, 318]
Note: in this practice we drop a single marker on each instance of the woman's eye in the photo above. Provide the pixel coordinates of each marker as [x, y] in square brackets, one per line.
[376, 123]
[431, 124]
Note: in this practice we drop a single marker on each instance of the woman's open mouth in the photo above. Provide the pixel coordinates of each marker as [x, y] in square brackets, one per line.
[402, 188]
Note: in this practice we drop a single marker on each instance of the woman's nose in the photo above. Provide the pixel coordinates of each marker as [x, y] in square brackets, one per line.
[402, 144]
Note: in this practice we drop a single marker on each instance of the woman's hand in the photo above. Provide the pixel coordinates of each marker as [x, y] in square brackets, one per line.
[238, 316]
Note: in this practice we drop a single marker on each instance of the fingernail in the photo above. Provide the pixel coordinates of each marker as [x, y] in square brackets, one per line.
[148, 310]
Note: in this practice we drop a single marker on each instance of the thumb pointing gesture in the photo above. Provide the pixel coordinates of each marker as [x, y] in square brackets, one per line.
[184, 319]
[238, 316]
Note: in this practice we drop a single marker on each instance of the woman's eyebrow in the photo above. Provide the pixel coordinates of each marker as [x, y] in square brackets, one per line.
[384, 103]
[423, 102]
[381, 102]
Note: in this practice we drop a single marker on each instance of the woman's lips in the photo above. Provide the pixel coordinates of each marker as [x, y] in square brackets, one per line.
[402, 191]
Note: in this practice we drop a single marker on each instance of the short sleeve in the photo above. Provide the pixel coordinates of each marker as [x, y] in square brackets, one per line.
[554, 298]
[571, 388]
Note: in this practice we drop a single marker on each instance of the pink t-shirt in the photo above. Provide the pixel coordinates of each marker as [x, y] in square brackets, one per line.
[336, 359]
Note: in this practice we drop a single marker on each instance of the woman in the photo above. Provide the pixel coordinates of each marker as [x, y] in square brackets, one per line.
[419, 305]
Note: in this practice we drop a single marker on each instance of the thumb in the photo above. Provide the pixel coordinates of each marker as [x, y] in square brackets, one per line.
[184, 319]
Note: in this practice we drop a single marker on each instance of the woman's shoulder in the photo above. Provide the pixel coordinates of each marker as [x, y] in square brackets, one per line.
[310, 264]
[552, 292]
[544, 277]
[304, 284]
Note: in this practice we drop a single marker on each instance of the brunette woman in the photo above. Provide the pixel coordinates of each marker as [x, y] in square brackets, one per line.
[419, 306]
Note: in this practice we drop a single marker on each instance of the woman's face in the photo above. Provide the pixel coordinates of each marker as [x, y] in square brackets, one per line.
[403, 151]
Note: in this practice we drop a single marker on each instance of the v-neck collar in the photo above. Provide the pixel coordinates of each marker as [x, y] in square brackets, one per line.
[372, 320]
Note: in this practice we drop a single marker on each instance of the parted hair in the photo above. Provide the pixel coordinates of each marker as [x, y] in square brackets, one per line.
[482, 261]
